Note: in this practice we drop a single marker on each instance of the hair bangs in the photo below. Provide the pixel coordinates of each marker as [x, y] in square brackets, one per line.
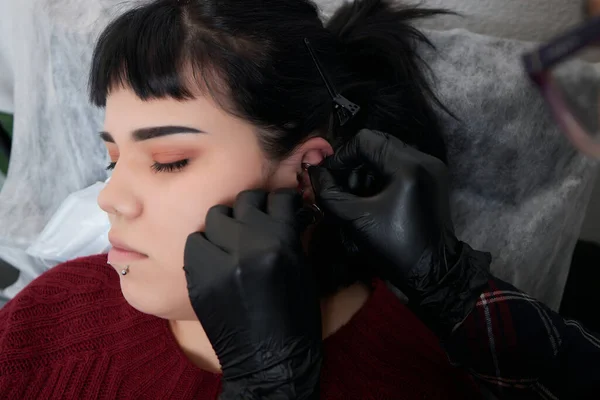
[147, 49]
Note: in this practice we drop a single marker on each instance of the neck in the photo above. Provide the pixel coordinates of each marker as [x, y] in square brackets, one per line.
[336, 311]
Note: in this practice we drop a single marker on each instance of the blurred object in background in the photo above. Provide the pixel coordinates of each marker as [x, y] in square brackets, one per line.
[6, 54]
[552, 67]
[591, 8]
[6, 86]
[5, 144]
[5, 138]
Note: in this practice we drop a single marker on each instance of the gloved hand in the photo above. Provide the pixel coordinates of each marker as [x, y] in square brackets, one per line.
[403, 222]
[256, 297]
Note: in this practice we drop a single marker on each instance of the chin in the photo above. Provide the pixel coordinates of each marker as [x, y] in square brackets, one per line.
[152, 303]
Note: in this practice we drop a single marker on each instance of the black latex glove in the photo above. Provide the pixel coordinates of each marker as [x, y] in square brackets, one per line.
[400, 215]
[255, 295]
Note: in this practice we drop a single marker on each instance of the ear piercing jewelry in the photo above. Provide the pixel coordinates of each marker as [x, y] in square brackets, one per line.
[317, 212]
[305, 167]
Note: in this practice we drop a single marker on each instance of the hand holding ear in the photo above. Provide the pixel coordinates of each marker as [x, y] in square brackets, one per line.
[404, 225]
[255, 295]
[410, 213]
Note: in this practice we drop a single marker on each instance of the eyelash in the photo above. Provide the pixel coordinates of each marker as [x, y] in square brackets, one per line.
[158, 167]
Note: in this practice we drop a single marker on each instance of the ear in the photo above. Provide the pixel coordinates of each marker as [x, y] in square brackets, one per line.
[289, 172]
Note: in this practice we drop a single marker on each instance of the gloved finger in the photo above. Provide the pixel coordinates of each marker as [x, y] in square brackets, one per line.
[436, 167]
[366, 147]
[221, 228]
[363, 182]
[331, 196]
[204, 264]
[305, 217]
[283, 204]
[250, 203]
[374, 149]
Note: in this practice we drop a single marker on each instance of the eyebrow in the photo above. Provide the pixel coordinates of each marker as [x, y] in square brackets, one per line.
[153, 132]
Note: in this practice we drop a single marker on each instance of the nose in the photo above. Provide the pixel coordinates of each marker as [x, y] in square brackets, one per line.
[118, 197]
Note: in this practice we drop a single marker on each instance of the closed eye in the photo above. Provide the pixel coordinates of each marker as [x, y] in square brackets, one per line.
[159, 167]
[170, 167]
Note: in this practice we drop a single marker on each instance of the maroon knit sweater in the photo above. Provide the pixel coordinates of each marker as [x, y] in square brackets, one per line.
[71, 335]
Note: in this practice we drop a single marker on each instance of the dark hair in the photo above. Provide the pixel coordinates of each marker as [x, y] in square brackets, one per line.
[251, 58]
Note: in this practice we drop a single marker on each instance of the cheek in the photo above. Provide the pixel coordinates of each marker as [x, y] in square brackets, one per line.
[182, 208]
[175, 206]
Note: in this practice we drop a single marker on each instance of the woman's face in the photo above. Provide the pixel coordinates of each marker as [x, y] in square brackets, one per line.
[175, 160]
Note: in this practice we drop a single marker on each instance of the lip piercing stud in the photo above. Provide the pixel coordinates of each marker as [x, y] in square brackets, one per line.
[125, 270]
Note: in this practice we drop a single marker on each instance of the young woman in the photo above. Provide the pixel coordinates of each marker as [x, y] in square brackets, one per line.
[204, 100]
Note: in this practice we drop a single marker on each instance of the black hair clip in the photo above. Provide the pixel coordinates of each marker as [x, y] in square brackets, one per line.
[344, 108]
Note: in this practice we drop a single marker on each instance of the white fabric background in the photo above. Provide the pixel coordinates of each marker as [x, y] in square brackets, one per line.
[530, 20]
[47, 46]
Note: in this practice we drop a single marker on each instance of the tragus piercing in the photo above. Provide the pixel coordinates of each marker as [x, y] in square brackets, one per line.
[305, 167]
[317, 213]
[316, 208]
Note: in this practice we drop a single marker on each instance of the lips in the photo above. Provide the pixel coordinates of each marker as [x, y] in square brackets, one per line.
[121, 253]
[117, 244]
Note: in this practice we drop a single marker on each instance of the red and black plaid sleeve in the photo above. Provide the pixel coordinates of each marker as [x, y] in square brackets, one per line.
[521, 349]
